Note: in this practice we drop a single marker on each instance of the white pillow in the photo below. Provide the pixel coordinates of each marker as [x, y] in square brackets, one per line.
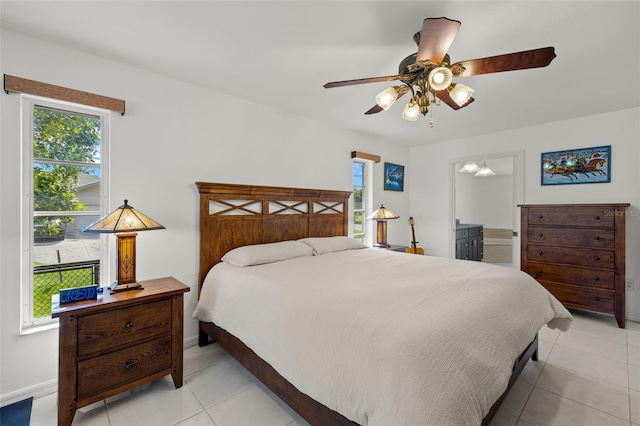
[322, 245]
[259, 254]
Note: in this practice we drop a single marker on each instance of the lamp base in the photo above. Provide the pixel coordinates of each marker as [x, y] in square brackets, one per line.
[117, 288]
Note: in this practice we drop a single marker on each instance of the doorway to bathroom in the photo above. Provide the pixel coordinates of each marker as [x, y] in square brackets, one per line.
[486, 220]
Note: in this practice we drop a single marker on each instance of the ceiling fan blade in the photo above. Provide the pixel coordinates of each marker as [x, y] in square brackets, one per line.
[444, 96]
[435, 38]
[377, 108]
[535, 58]
[361, 81]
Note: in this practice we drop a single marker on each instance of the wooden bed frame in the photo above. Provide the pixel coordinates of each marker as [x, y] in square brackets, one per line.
[236, 215]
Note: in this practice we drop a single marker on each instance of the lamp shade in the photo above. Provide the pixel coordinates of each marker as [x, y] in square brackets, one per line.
[124, 219]
[461, 94]
[382, 214]
[387, 97]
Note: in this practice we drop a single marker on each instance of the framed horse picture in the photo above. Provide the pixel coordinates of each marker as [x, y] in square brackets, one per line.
[573, 166]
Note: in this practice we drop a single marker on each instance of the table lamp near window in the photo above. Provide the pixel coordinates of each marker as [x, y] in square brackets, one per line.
[125, 221]
[381, 216]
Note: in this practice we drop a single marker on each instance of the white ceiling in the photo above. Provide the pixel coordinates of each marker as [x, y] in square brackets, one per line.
[281, 53]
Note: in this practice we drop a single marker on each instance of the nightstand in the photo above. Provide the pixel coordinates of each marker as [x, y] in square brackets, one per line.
[401, 249]
[118, 342]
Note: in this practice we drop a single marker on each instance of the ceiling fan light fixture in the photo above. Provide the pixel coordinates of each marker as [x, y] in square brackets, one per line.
[461, 94]
[411, 111]
[440, 78]
[387, 97]
[485, 171]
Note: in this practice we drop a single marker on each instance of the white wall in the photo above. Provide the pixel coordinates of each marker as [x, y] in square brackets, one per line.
[172, 135]
[429, 197]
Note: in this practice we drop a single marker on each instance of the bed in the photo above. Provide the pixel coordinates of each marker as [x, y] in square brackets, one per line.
[295, 321]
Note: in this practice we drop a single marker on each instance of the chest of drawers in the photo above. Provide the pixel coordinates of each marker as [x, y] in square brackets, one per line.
[577, 252]
[118, 342]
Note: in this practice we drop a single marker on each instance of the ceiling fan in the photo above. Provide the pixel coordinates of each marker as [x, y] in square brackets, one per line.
[428, 74]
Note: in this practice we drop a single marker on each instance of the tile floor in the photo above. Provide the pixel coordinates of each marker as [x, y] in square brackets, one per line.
[589, 375]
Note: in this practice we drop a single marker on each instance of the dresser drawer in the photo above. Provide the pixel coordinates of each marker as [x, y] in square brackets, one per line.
[108, 329]
[597, 258]
[462, 233]
[582, 237]
[597, 300]
[586, 277]
[106, 372]
[586, 216]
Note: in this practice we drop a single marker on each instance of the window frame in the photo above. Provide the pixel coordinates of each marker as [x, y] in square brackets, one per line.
[367, 179]
[29, 324]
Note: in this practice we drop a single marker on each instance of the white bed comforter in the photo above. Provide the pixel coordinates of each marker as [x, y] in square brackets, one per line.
[385, 338]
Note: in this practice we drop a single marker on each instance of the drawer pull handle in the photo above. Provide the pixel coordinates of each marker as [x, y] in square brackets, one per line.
[129, 325]
[597, 299]
[597, 257]
[597, 237]
[540, 216]
[597, 278]
[597, 218]
[128, 365]
[541, 235]
[540, 252]
[539, 273]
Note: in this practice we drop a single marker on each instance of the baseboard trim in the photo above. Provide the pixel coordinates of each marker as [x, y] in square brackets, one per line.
[35, 391]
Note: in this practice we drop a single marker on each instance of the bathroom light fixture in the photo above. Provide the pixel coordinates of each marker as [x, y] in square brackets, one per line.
[469, 167]
[485, 170]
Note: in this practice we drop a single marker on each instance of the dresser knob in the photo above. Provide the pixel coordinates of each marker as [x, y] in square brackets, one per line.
[128, 365]
[539, 273]
[129, 325]
[597, 237]
[540, 235]
[540, 216]
[540, 252]
[597, 218]
[597, 299]
[597, 278]
[597, 257]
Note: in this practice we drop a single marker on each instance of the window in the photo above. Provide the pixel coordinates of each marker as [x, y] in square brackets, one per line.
[361, 200]
[65, 151]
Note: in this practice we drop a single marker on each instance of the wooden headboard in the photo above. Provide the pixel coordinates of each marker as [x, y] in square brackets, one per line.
[237, 215]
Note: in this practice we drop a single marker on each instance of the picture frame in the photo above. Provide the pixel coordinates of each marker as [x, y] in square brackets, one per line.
[576, 166]
[393, 177]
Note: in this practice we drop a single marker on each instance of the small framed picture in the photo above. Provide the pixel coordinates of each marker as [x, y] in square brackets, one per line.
[393, 177]
[573, 166]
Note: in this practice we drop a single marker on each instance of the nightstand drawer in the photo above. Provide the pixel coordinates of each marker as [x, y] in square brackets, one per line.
[109, 329]
[109, 371]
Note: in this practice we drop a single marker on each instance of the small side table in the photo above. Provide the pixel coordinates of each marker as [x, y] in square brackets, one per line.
[401, 249]
[118, 342]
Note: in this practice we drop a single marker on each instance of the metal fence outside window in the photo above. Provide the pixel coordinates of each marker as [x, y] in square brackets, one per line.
[49, 279]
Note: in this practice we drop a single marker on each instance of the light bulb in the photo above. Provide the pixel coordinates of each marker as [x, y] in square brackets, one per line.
[440, 78]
